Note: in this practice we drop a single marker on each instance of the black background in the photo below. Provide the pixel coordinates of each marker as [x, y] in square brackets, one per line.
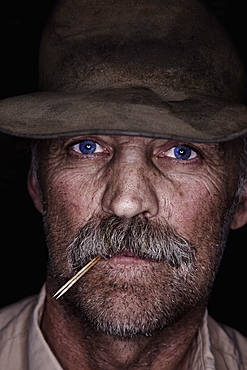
[23, 253]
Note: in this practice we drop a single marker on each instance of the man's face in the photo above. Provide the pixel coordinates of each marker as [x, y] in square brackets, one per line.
[141, 198]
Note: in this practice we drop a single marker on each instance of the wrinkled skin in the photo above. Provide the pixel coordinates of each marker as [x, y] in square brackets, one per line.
[125, 299]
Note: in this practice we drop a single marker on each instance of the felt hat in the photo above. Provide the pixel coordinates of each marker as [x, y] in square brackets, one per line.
[159, 68]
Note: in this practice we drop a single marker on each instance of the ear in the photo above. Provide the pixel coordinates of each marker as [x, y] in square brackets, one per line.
[34, 190]
[240, 216]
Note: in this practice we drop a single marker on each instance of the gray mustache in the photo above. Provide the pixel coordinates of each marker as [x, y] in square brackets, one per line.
[113, 236]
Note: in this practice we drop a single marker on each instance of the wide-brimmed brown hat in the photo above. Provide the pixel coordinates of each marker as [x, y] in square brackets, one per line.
[159, 68]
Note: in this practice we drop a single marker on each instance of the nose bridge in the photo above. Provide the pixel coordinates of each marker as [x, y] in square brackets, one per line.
[131, 169]
[129, 190]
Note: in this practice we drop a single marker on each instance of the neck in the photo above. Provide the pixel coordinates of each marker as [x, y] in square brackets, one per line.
[77, 346]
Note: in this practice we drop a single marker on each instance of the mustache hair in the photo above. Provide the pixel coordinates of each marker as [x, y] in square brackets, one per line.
[137, 237]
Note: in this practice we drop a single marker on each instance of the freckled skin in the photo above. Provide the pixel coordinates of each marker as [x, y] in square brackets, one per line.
[132, 176]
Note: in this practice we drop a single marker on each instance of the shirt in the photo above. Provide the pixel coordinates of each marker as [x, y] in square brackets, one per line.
[23, 347]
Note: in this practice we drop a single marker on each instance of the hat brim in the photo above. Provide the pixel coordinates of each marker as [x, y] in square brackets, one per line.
[125, 111]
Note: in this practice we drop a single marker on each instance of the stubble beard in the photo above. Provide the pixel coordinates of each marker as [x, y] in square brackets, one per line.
[127, 301]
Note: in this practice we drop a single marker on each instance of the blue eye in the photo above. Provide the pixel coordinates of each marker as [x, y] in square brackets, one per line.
[87, 147]
[182, 152]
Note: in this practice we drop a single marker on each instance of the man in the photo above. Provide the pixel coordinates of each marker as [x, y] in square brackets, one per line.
[138, 158]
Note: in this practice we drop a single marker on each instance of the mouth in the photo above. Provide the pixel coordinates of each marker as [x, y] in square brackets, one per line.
[128, 259]
[126, 256]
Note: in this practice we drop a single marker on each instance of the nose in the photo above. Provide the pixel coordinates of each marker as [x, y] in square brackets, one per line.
[129, 191]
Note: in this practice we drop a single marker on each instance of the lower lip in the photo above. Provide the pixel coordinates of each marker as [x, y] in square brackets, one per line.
[127, 260]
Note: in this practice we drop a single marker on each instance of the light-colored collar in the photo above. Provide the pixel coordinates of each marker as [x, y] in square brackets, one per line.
[40, 354]
[201, 355]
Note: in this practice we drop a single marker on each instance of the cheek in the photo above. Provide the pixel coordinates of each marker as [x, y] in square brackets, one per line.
[198, 212]
[70, 201]
[197, 208]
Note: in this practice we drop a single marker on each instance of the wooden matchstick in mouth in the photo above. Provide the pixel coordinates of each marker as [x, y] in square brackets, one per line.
[75, 278]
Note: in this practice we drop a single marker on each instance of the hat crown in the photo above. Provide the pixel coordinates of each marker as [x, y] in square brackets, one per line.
[164, 45]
